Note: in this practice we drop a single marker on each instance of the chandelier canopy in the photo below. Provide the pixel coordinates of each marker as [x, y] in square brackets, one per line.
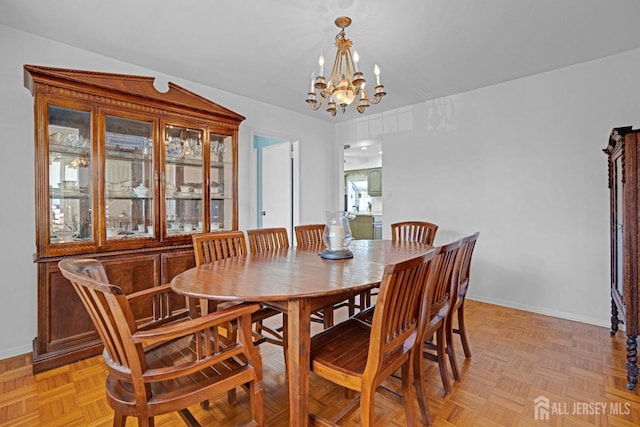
[346, 83]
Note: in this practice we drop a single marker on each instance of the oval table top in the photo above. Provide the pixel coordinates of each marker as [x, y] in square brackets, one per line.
[295, 272]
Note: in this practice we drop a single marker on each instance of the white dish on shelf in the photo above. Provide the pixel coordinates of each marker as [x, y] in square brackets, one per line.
[183, 194]
[118, 194]
[66, 192]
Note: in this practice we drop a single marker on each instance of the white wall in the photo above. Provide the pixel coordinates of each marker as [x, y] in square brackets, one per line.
[18, 317]
[522, 163]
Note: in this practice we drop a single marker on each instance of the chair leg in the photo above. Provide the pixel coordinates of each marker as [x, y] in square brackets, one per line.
[145, 422]
[451, 351]
[232, 398]
[119, 420]
[367, 400]
[352, 306]
[327, 317]
[442, 361]
[463, 331]
[418, 382]
[285, 337]
[256, 400]
[408, 396]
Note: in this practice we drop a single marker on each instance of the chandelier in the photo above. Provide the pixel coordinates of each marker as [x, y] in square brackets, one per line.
[346, 83]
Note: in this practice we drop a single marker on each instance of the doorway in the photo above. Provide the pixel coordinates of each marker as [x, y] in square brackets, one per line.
[277, 173]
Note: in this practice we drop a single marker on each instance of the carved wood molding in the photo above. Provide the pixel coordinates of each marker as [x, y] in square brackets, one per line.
[135, 106]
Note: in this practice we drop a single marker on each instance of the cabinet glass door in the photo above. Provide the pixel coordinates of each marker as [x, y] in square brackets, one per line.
[70, 160]
[183, 178]
[221, 180]
[129, 178]
[618, 275]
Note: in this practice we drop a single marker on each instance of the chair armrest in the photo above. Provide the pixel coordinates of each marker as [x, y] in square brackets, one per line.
[190, 326]
[145, 293]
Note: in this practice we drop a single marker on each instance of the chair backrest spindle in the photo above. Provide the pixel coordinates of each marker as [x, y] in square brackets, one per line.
[414, 231]
[267, 239]
[310, 234]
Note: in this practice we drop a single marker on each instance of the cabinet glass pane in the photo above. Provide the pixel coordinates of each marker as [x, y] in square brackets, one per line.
[69, 175]
[221, 178]
[129, 179]
[183, 177]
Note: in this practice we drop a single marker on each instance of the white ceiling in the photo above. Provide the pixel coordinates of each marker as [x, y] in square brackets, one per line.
[266, 50]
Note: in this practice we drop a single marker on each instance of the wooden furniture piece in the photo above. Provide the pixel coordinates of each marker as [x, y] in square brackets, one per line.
[296, 281]
[210, 247]
[267, 239]
[361, 356]
[312, 235]
[445, 269]
[623, 153]
[414, 231]
[270, 239]
[165, 364]
[309, 234]
[124, 174]
[468, 246]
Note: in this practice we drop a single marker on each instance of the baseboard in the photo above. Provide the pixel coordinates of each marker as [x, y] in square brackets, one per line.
[542, 310]
[15, 351]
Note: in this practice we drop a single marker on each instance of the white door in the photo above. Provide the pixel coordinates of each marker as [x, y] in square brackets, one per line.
[276, 186]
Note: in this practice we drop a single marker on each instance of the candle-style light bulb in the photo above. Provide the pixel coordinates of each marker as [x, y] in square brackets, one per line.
[376, 70]
[356, 58]
[321, 62]
[313, 78]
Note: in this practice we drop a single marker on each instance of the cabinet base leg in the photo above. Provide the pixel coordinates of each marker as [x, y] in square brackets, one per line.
[615, 320]
[632, 362]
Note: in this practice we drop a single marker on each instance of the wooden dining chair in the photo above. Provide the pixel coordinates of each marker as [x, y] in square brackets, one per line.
[311, 235]
[468, 246]
[360, 356]
[210, 247]
[169, 361]
[267, 239]
[443, 272]
[414, 231]
[270, 239]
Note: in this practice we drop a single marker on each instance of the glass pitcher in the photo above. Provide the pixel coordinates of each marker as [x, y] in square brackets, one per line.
[337, 236]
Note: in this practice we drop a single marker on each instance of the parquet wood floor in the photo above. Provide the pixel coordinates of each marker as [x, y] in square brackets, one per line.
[517, 357]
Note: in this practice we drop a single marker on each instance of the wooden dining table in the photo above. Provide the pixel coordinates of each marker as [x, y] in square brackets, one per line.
[296, 281]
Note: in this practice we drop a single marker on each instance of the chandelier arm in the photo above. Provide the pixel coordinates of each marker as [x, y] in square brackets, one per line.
[317, 104]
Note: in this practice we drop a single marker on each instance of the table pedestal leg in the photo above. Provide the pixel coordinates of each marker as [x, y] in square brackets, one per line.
[298, 338]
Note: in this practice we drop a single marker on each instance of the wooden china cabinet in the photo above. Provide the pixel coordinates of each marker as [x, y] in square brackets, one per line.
[125, 174]
[623, 153]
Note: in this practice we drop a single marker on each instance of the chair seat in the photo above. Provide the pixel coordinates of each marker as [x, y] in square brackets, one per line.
[345, 348]
[167, 395]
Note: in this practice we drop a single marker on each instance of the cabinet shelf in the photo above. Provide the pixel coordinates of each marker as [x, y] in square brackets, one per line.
[67, 195]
